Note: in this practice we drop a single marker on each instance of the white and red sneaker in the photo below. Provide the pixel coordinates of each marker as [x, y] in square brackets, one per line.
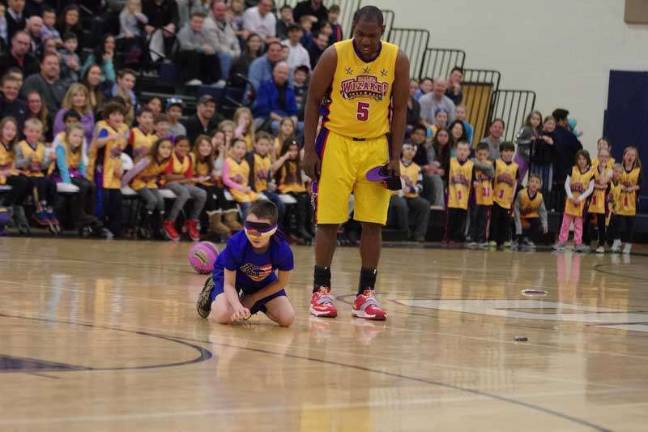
[321, 304]
[366, 306]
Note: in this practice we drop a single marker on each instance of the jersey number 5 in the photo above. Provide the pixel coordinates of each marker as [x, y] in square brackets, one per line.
[363, 111]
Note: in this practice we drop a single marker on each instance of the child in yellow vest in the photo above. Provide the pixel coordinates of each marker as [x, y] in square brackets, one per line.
[578, 187]
[144, 178]
[222, 213]
[459, 184]
[34, 161]
[483, 173]
[104, 164]
[504, 186]
[626, 204]
[180, 180]
[71, 163]
[9, 175]
[143, 136]
[530, 213]
[262, 169]
[598, 203]
[603, 144]
[406, 205]
[236, 175]
[286, 131]
[613, 200]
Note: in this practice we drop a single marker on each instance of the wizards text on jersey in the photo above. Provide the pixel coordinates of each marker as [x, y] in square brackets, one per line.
[364, 85]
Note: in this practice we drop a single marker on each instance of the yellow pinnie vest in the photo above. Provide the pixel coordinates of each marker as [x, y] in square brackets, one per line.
[262, 172]
[411, 173]
[529, 207]
[240, 173]
[37, 156]
[459, 182]
[505, 178]
[578, 184]
[627, 205]
[154, 170]
[141, 142]
[7, 163]
[290, 179]
[483, 189]
[599, 196]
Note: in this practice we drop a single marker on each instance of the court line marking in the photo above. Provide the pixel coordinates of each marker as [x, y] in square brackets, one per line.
[599, 268]
[474, 392]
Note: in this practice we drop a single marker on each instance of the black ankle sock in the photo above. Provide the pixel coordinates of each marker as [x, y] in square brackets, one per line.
[321, 277]
[367, 279]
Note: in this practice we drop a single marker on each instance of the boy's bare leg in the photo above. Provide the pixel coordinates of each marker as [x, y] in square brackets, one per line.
[281, 311]
[221, 309]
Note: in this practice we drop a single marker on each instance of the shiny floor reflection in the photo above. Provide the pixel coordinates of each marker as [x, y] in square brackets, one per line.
[104, 336]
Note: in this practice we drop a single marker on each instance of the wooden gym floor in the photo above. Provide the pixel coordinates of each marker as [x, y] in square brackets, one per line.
[103, 336]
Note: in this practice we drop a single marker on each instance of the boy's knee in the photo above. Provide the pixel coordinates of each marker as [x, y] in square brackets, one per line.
[286, 319]
[221, 317]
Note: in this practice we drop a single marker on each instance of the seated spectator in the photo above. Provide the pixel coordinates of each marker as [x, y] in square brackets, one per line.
[4, 37]
[131, 32]
[38, 110]
[313, 8]
[69, 21]
[235, 16]
[440, 121]
[123, 88]
[174, 108]
[454, 91]
[285, 21]
[48, 83]
[70, 62]
[425, 86]
[301, 77]
[251, 52]
[76, 99]
[19, 56]
[275, 99]
[286, 132]
[205, 121]
[317, 48]
[457, 132]
[142, 137]
[406, 205]
[15, 17]
[187, 7]
[162, 24]
[155, 105]
[261, 68]
[460, 114]
[103, 55]
[49, 26]
[297, 54]
[413, 105]
[306, 23]
[260, 20]
[436, 100]
[222, 37]
[92, 81]
[10, 105]
[196, 57]
[48, 47]
[34, 27]
[494, 138]
[426, 158]
[162, 126]
[242, 128]
[333, 15]
[236, 176]
[442, 150]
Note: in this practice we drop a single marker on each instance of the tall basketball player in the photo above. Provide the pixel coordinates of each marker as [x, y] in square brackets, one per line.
[361, 88]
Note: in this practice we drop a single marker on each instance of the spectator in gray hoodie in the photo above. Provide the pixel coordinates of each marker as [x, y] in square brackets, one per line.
[196, 57]
[221, 36]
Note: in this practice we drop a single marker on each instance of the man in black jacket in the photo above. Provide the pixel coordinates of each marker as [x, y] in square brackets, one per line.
[19, 56]
[10, 105]
[565, 145]
[205, 120]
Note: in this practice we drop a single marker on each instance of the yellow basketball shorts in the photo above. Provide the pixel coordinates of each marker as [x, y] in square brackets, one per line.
[345, 163]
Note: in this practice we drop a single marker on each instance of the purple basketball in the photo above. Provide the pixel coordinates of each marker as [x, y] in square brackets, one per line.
[202, 257]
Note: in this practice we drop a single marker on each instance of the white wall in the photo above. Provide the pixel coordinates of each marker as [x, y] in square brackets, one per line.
[561, 49]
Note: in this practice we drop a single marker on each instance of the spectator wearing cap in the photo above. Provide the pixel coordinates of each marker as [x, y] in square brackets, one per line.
[15, 17]
[260, 20]
[47, 83]
[317, 48]
[261, 68]
[297, 54]
[19, 56]
[174, 108]
[314, 8]
[205, 120]
[196, 56]
[275, 99]
[222, 37]
[436, 100]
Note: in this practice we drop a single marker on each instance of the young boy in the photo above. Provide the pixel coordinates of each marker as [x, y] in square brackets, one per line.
[407, 203]
[530, 213]
[333, 15]
[244, 280]
[34, 160]
[262, 169]
[459, 182]
[162, 126]
[483, 174]
[300, 88]
[506, 173]
[143, 136]
[174, 114]
[70, 63]
[49, 26]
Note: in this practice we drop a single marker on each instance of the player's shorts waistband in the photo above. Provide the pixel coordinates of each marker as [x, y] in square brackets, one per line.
[358, 138]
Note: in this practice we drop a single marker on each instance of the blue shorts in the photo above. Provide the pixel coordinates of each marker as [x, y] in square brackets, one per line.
[257, 307]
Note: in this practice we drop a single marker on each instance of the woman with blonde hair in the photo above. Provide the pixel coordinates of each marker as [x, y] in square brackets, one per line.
[76, 99]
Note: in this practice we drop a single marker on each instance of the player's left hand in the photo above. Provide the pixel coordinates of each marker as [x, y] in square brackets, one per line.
[394, 167]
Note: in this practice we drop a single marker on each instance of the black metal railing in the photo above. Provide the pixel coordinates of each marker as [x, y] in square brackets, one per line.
[389, 16]
[413, 42]
[438, 62]
[512, 106]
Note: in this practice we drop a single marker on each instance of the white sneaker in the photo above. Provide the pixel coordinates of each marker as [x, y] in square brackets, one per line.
[627, 248]
[600, 250]
[193, 82]
[616, 246]
[436, 207]
[219, 84]
[472, 245]
[582, 248]
[559, 247]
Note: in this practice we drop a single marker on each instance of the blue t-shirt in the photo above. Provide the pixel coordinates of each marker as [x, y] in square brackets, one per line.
[253, 270]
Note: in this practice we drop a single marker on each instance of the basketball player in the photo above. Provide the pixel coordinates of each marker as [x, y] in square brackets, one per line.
[361, 85]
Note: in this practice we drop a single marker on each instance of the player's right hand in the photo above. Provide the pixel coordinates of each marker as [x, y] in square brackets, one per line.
[312, 164]
[240, 313]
